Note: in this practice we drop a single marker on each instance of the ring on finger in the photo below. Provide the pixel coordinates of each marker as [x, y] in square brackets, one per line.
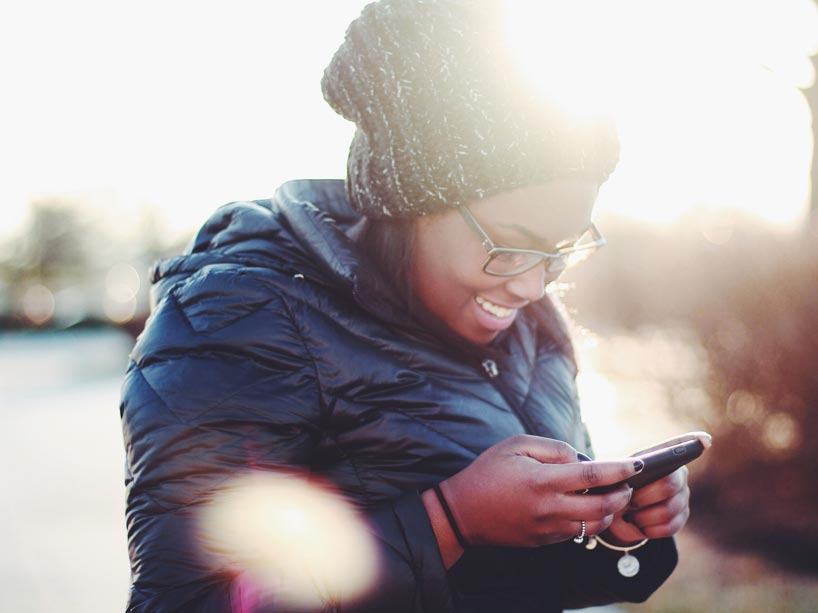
[581, 536]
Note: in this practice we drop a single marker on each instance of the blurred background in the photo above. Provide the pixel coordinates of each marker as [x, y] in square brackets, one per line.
[124, 125]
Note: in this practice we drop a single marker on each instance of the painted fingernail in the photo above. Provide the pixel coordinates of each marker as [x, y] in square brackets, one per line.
[638, 465]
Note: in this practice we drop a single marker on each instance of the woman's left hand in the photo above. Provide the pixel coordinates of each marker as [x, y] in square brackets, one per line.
[656, 510]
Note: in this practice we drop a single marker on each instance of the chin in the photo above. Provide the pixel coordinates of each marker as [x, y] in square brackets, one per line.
[479, 338]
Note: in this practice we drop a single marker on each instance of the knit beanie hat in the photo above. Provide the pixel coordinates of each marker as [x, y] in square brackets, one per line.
[443, 117]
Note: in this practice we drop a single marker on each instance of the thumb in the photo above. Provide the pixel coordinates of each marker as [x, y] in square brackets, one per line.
[544, 450]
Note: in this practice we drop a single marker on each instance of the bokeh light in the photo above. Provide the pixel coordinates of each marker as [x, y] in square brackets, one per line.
[744, 408]
[289, 539]
[38, 304]
[780, 432]
[122, 285]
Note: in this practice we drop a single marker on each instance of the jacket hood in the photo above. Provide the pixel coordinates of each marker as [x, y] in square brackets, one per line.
[303, 229]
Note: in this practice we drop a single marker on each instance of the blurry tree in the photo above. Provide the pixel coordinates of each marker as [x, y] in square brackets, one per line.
[50, 253]
[65, 253]
[751, 303]
[53, 245]
[759, 489]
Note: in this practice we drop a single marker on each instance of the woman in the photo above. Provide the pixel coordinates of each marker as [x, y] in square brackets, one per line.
[391, 335]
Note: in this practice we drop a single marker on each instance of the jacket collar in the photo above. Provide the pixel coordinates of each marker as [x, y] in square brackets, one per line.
[319, 217]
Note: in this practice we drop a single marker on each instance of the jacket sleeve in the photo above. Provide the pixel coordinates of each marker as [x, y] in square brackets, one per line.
[215, 387]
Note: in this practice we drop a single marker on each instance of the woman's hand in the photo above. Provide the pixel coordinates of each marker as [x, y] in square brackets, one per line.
[658, 509]
[523, 491]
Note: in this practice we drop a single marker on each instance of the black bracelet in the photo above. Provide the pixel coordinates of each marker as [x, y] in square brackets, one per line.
[457, 534]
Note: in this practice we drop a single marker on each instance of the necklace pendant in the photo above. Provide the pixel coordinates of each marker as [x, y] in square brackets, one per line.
[628, 565]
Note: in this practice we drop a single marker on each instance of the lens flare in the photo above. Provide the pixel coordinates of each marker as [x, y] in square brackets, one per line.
[290, 541]
[38, 305]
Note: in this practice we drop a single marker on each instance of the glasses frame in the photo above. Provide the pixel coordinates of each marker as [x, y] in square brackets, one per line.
[493, 250]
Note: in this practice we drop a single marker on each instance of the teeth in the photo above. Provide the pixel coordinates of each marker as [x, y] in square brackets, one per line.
[494, 309]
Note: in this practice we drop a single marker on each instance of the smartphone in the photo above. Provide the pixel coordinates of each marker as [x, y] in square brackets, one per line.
[658, 463]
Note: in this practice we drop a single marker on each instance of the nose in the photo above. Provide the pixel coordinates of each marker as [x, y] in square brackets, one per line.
[530, 285]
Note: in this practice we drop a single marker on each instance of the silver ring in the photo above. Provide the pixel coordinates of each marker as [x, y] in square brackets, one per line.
[581, 536]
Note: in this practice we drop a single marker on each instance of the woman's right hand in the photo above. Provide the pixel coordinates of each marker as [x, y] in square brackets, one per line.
[523, 491]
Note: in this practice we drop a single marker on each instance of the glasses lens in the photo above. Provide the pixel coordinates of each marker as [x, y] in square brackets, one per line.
[512, 263]
[583, 248]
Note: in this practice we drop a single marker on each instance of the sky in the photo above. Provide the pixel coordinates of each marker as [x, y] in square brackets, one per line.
[179, 106]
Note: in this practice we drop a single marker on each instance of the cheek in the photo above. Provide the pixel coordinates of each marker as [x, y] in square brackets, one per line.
[447, 272]
[448, 290]
[447, 264]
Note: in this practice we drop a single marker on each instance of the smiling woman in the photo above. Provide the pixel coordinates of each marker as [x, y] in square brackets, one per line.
[388, 339]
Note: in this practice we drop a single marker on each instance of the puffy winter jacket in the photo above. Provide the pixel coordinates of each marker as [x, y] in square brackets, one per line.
[265, 350]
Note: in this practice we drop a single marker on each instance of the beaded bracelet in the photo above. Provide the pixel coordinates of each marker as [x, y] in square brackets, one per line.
[452, 523]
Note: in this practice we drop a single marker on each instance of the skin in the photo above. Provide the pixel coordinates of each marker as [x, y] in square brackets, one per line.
[447, 270]
[541, 475]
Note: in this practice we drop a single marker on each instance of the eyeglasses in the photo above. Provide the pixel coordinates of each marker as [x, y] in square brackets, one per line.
[507, 262]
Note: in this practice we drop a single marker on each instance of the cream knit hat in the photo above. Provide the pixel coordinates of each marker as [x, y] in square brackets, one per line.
[444, 117]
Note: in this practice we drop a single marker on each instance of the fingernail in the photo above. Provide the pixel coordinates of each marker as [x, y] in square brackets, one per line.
[638, 465]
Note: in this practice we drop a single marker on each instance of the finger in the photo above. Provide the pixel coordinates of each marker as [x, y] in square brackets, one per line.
[589, 507]
[662, 513]
[544, 450]
[592, 527]
[566, 529]
[661, 489]
[599, 526]
[625, 531]
[668, 528]
[704, 437]
[578, 476]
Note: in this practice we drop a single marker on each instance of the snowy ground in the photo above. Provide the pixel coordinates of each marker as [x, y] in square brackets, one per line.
[61, 473]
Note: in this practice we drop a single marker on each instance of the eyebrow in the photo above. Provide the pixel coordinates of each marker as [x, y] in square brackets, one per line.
[542, 240]
[526, 232]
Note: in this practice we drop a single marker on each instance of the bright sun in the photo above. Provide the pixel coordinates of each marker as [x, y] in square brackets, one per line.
[705, 94]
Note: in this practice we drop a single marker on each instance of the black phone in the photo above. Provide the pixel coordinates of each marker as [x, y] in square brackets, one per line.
[658, 463]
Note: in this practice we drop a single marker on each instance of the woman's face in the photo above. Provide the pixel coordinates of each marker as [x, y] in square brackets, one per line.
[447, 269]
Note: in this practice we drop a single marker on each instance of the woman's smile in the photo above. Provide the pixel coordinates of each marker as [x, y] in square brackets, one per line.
[498, 311]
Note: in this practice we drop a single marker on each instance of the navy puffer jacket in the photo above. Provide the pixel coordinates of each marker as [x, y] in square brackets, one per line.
[265, 351]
